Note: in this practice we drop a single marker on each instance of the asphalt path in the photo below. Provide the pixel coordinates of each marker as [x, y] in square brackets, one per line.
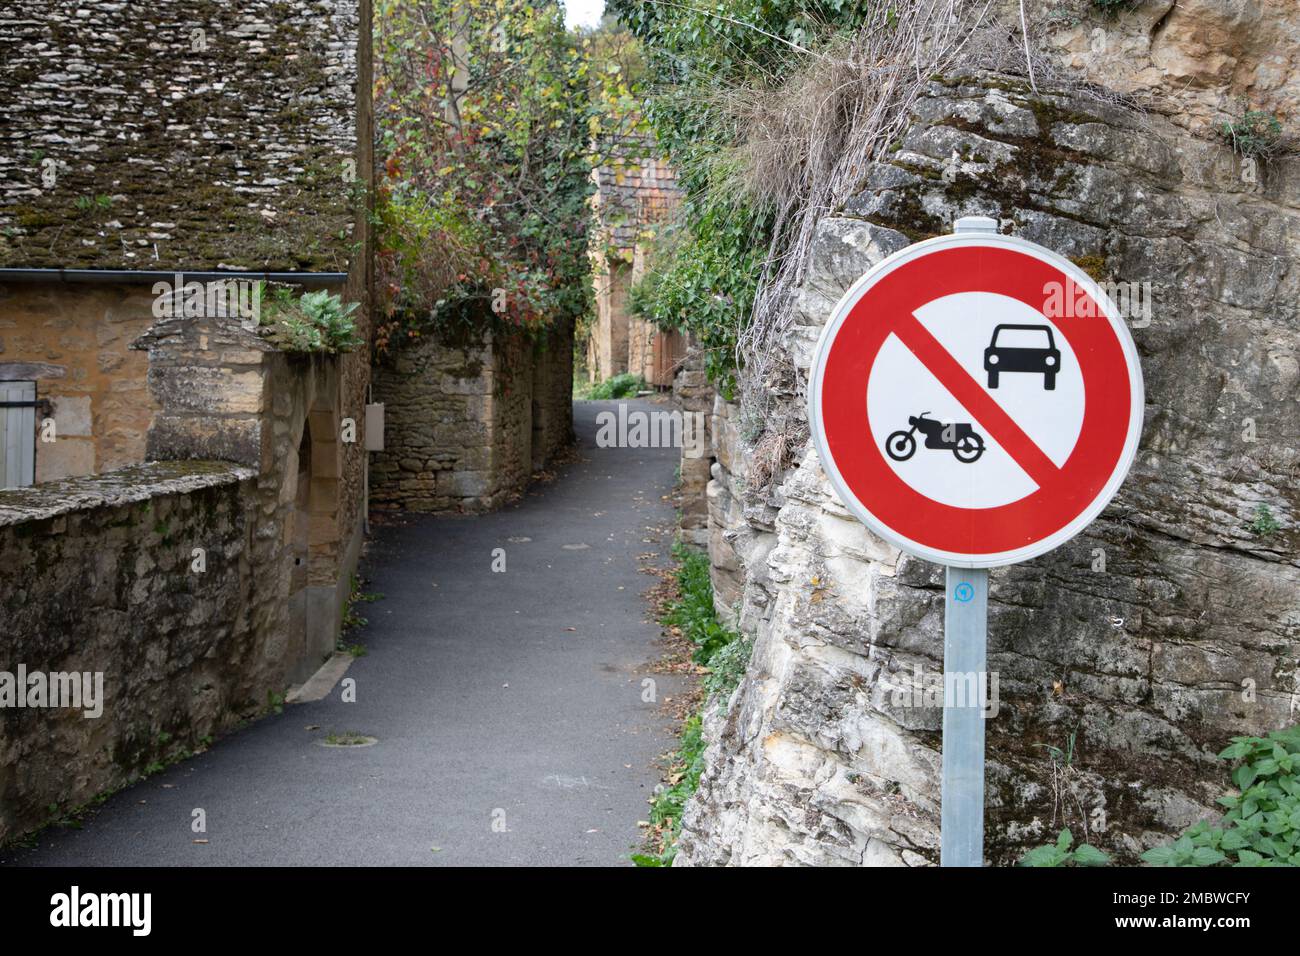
[508, 707]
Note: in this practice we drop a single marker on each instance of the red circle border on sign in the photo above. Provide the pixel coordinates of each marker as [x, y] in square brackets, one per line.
[980, 264]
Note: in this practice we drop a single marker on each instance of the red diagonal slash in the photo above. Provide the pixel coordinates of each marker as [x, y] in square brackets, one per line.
[1001, 426]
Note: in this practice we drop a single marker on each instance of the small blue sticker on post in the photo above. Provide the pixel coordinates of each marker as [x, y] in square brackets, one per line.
[963, 592]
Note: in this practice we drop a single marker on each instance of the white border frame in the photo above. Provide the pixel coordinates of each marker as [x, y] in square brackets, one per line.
[1137, 394]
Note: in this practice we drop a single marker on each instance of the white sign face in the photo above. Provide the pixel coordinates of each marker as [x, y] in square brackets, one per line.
[976, 400]
[900, 386]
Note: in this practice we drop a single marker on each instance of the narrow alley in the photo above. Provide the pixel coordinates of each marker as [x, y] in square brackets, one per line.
[507, 707]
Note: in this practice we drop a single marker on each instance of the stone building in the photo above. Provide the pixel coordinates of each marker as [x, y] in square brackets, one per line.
[185, 500]
[633, 195]
[1141, 666]
[467, 425]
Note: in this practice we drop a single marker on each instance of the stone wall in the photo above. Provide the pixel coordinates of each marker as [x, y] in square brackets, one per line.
[1201, 61]
[73, 340]
[607, 349]
[225, 393]
[354, 366]
[120, 98]
[693, 394]
[466, 425]
[1144, 667]
[100, 578]
[251, 460]
[634, 194]
[552, 396]
[151, 108]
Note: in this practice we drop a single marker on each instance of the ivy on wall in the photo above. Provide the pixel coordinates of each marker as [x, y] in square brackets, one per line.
[705, 270]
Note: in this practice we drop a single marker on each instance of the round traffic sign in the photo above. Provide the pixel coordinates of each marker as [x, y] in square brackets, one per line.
[976, 399]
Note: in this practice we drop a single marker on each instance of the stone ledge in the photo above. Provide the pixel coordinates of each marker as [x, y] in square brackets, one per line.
[115, 488]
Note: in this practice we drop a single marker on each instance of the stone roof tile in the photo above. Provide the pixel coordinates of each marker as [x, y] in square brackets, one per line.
[178, 134]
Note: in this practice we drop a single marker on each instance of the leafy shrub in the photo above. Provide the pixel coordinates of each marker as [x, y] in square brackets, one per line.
[693, 614]
[625, 385]
[1265, 524]
[1061, 854]
[481, 212]
[704, 282]
[1257, 135]
[704, 274]
[1262, 825]
[314, 322]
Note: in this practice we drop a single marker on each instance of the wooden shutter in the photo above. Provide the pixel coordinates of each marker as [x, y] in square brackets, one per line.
[17, 434]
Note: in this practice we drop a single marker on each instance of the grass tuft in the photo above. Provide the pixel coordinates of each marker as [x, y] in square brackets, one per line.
[724, 655]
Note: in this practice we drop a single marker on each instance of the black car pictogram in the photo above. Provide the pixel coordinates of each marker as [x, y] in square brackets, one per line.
[1032, 349]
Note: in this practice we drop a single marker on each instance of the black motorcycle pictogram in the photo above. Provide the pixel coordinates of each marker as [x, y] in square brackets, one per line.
[962, 440]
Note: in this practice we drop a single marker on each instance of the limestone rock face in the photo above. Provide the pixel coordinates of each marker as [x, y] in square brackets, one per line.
[693, 394]
[1170, 624]
[1201, 61]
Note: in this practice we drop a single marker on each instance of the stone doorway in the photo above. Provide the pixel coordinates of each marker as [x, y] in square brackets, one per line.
[313, 544]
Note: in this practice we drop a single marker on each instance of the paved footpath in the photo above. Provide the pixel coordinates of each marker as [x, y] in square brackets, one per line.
[497, 699]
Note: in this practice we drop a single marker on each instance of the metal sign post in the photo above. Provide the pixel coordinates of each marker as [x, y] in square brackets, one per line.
[965, 649]
[965, 659]
[976, 400]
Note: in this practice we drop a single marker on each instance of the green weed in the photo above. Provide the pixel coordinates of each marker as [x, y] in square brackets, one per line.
[1262, 823]
[1061, 854]
[1257, 135]
[625, 385]
[724, 654]
[1265, 524]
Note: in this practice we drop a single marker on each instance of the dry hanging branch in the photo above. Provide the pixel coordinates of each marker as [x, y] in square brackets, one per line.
[1029, 57]
[809, 140]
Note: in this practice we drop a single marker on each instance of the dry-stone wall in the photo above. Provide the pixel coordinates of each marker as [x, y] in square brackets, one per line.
[466, 426]
[693, 394]
[175, 134]
[101, 574]
[552, 396]
[99, 579]
[1188, 634]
